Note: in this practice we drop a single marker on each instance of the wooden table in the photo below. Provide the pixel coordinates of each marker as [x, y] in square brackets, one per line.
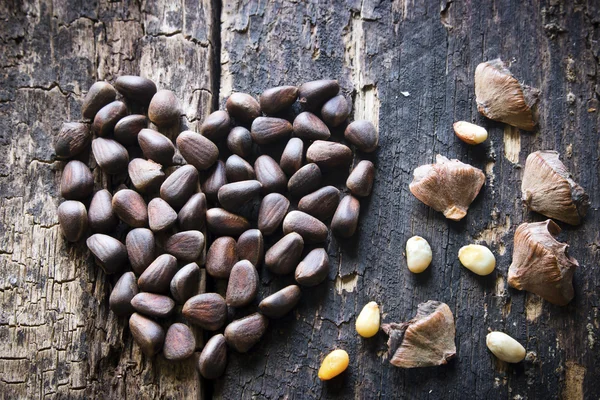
[409, 68]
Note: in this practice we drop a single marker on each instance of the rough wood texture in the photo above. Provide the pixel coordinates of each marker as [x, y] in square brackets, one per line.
[58, 338]
[378, 50]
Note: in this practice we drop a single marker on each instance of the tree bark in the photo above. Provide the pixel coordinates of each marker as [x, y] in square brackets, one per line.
[59, 339]
[408, 67]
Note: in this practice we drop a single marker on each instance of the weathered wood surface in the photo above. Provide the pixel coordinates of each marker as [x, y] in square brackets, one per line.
[378, 50]
[58, 338]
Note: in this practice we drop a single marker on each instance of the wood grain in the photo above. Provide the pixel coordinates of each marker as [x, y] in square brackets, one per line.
[408, 67]
[59, 339]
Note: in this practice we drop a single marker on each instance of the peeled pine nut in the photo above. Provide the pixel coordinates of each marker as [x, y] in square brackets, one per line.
[418, 254]
[477, 258]
[367, 323]
[334, 364]
[470, 133]
[504, 347]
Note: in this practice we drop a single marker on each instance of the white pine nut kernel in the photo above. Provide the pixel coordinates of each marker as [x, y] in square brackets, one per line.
[367, 323]
[418, 254]
[470, 133]
[477, 258]
[504, 347]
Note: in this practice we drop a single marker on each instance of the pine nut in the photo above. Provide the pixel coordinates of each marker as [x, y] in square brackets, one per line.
[334, 364]
[504, 347]
[470, 133]
[477, 258]
[418, 254]
[367, 323]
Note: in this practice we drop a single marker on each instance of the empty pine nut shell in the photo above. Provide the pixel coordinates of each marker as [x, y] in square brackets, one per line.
[448, 186]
